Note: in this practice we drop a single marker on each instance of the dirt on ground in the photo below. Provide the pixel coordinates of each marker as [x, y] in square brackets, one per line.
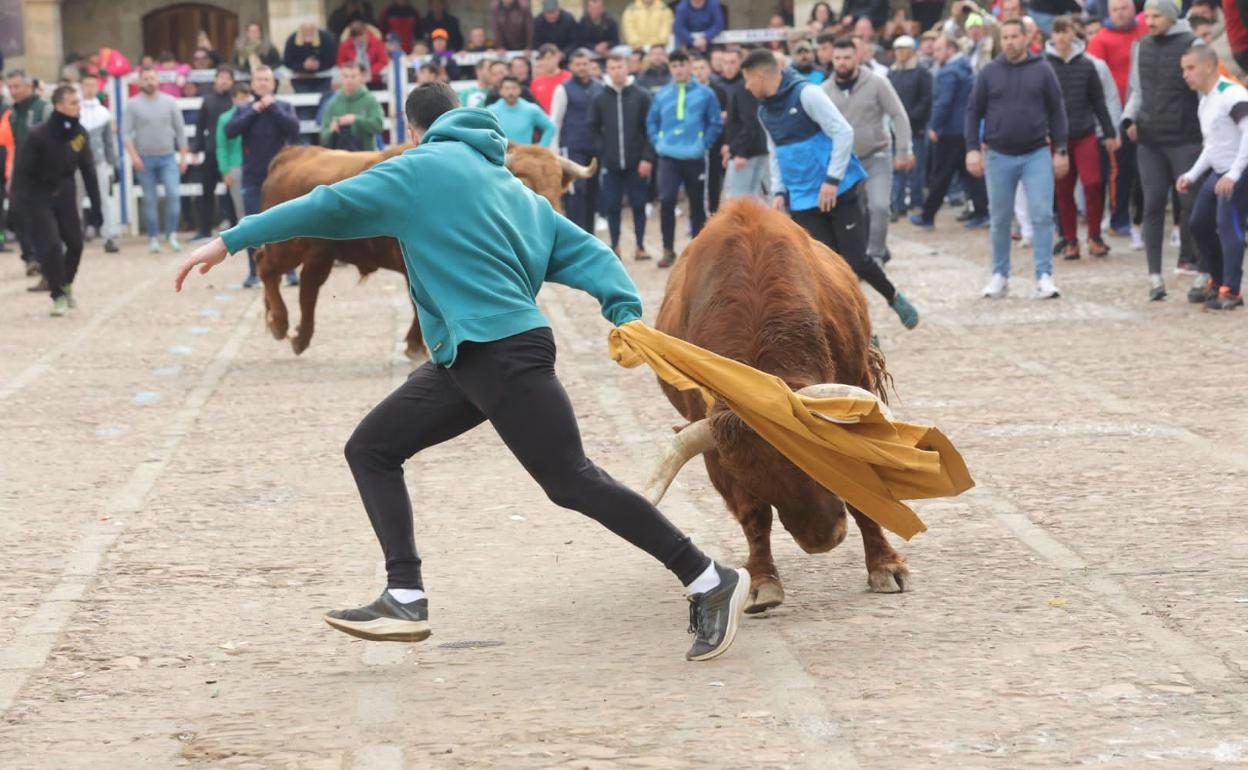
[177, 515]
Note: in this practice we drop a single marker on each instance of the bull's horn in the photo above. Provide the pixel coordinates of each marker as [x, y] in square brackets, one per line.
[840, 390]
[576, 170]
[684, 446]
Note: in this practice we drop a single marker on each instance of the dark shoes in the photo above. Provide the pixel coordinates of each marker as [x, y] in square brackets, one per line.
[1068, 250]
[1097, 247]
[669, 258]
[641, 255]
[715, 614]
[1225, 300]
[385, 620]
[110, 247]
[1202, 292]
[918, 221]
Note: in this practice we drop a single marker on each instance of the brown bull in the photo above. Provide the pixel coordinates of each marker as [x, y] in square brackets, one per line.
[754, 287]
[298, 170]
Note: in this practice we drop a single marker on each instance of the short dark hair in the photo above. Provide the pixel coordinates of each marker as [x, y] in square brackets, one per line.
[358, 66]
[1013, 21]
[226, 69]
[1063, 24]
[428, 102]
[547, 49]
[509, 79]
[826, 38]
[429, 66]
[18, 73]
[760, 59]
[678, 55]
[240, 89]
[146, 68]
[579, 53]
[844, 42]
[60, 94]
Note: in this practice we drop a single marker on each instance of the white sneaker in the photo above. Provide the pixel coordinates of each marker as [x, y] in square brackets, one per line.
[153, 246]
[998, 287]
[1026, 242]
[1175, 240]
[172, 240]
[1045, 288]
[600, 225]
[1137, 238]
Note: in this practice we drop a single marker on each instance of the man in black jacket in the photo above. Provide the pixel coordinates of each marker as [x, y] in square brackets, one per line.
[438, 18]
[1085, 107]
[44, 171]
[216, 103]
[555, 26]
[745, 148]
[310, 54]
[598, 30]
[617, 116]
[714, 163]
[913, 85]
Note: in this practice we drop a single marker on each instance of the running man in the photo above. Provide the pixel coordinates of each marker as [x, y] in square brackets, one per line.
[475, 265]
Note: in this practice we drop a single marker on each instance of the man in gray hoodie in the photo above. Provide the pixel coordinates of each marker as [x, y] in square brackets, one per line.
[1161, 115]
[867, 100]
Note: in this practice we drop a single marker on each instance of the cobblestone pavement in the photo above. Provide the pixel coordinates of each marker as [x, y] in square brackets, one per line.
[175, 514]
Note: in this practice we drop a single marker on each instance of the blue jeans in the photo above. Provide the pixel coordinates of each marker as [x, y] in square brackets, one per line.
[1218, 229]
[1035, 171]
[615, 185]
[251, 205]
[914, 181]
[162, 170]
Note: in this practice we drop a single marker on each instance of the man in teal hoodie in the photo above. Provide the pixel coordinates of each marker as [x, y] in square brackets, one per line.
[475, 264]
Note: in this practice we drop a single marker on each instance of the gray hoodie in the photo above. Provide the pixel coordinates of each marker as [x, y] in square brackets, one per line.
[868, 104]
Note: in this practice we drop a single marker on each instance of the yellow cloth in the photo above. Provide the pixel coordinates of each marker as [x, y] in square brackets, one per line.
[866, 459]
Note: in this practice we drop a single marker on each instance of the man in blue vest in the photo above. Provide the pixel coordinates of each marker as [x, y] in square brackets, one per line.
[569, 109]
[814, 171]
[683, 124]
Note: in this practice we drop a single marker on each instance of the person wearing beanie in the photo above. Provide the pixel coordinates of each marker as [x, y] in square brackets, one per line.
[44, 178]
[1161, 115]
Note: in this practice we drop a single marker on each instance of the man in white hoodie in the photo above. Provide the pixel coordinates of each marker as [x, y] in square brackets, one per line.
[97, 121]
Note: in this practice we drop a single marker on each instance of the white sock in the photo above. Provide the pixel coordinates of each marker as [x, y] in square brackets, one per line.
[708, 580]
[406, 595]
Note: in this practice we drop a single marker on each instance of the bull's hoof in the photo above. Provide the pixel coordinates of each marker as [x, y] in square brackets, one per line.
[298, 343]
[890, 577]
[765, 596]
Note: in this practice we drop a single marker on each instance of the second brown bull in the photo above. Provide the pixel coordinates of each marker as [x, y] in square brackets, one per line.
[298, 170]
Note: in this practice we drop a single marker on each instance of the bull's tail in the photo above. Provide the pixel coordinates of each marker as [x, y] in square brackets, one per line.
[880, 381]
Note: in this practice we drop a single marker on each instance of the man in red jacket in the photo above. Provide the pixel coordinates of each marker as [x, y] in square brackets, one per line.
[365, 47]
[1112, 45]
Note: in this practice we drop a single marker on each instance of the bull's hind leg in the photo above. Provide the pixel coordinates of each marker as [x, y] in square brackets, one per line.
[315, 271]
[754, 516]
[886, 569]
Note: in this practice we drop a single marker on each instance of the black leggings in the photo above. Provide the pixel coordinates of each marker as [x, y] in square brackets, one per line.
[512, 384]
[51, 224]
[844, 230]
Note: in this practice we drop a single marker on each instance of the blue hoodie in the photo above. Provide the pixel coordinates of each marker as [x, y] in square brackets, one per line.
[951, 91]
[708, 20]
[810, 142]
[684, 120]
[477, 243]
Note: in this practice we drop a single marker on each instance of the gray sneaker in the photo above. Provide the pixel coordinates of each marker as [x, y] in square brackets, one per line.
[715, 614]
[385, 620]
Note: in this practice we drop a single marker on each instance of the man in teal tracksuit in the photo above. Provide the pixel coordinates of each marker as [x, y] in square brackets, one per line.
[683, 123]
[475, 264]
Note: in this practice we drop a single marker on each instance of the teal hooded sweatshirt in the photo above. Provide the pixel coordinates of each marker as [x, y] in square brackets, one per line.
[477, 244]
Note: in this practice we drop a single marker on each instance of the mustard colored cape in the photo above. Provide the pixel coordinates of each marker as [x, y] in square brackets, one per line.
[849, 445]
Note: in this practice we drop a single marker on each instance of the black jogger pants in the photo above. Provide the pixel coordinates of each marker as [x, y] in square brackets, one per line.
[57, 233]
[512, 384]
[844, 230]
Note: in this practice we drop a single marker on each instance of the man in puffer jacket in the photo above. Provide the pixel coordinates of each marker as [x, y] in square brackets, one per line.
[617, 118]
[683, 124]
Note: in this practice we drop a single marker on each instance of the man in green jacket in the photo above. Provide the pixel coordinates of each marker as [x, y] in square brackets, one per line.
[475, 264]
[353, 119]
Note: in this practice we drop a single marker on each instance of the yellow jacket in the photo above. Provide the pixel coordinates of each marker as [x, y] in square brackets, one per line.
[646, 25]
[849, 445]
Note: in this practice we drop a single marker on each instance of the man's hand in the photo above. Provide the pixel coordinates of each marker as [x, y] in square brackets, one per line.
[644, 169]
[1061, 165]
[932, 136]
[311, 64]
[137, 162]
[700, 43]
[1132, 134]
[95, 217]
[1224, 188]
[603, 48]
[778, 203]
[740, 162]
[206, 257]
[226, 179]
[263, 104]
[182, 164]
[1112, 145]
[975, 163]
[827, 197]
[904, 164]
[334, 126]
[346, 120]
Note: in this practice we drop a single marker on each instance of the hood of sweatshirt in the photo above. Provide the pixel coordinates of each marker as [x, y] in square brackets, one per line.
[789, 80]
[1076, 47]
[606, 82]
[475, 127]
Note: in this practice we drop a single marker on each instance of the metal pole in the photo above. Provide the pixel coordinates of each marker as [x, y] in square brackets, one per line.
[398, 82]
[123, 173]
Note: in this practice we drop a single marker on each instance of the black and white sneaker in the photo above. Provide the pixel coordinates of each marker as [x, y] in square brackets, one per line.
[385, 620]
[715, 614]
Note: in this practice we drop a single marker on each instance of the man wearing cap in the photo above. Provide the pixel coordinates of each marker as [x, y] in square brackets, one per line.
[440, 41]
[556, 27]
[913, 85]
[804, 62]
[1162, 116]
[983, 44]
[867, 100]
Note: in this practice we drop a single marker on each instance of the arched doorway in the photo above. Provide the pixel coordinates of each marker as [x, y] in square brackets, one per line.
[175, 28]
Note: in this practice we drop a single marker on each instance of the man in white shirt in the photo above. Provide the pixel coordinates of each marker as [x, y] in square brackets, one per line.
[1221, 202]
